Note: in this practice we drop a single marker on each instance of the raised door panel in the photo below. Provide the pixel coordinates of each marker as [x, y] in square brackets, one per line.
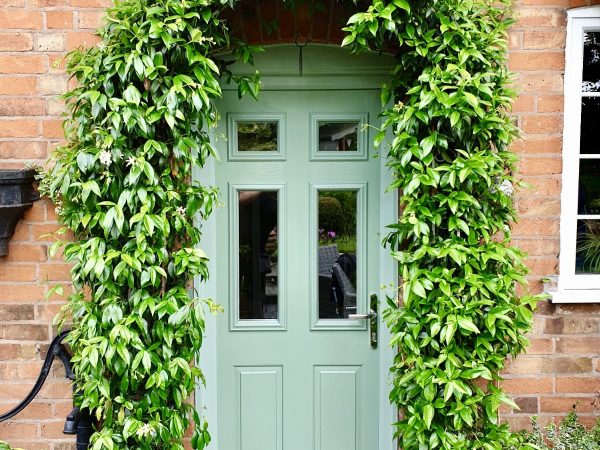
[337, 419]
[259, 405]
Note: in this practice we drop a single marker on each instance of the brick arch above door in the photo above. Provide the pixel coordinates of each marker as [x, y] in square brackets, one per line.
[265, 22]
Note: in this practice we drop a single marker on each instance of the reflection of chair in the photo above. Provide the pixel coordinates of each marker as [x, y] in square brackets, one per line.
[328, 306]
[328, 255]
[348, 289]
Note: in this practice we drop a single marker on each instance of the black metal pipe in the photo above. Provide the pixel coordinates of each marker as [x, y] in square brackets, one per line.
[78, 421]
[56, 349]
[84, 430]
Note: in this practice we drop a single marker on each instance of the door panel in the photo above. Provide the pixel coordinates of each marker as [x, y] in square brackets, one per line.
[290, 376]
[337, 409]
[258, 397]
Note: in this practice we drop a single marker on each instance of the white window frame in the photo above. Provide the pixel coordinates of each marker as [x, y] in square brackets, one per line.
[574, 288]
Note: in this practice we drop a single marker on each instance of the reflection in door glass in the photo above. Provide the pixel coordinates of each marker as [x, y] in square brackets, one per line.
[338, 136]
[258, 255]
[257, 136]
[336, 253]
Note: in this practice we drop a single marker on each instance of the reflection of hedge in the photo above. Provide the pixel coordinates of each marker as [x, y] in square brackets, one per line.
[257, 136]
[331, 215]
[347, 200]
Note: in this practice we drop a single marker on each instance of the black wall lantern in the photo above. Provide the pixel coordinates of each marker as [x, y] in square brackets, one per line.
[16, 195]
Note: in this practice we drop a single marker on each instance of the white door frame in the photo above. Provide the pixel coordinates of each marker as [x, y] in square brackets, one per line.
[206, 396]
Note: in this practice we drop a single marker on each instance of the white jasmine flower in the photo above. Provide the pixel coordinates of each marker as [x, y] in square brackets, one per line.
[506, 188]
[181, 210]
[130, 161]
[146, 430]
[105, 157]
[203, 39]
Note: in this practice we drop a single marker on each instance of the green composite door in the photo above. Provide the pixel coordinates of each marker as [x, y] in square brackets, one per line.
[298, 254]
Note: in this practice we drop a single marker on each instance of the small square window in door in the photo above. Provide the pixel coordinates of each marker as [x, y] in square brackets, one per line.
[339, 136]
[255, 137]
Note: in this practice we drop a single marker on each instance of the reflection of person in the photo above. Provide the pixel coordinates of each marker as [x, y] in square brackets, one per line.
[257, 234]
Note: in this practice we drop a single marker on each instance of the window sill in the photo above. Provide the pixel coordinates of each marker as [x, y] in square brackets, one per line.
[558, 295]
[570, 295]
[575, 296]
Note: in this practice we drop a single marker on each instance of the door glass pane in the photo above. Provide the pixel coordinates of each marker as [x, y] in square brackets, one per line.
[336, 253]
[590, 111]
[588, 201]
[591, 62]
[257, 136]
[587, 259]
[258, 254]
[338, 136]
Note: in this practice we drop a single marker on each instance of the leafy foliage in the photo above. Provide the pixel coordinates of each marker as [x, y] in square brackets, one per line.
[257, 136]
[139, 122]
[6, 446]
[588, 247]
[569, 435]
[461, 315]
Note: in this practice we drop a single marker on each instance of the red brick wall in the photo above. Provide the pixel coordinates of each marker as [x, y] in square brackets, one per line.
[34, 34]
[563, 363]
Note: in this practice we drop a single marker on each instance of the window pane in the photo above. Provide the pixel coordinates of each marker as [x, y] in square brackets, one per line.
[257, 136]
[338, 136]
[591, 62]
[336, 253]
[587, 259]
[588, 201]
[258, 255]
[590, 112]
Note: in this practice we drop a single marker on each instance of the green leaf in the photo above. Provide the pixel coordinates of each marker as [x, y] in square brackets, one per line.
[417, 288]
[428, 413]
[402, 4]
[349, 39]
[471, 99]
[132, 95]
[467, 325]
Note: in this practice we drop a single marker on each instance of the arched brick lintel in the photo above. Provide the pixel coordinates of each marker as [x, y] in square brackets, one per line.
[267, 22]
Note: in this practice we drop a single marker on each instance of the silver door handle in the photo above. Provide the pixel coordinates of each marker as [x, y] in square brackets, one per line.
[371, 315]
[372, 318]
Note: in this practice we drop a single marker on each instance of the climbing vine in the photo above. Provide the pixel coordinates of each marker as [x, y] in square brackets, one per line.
[461, 315]
[139, 122]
